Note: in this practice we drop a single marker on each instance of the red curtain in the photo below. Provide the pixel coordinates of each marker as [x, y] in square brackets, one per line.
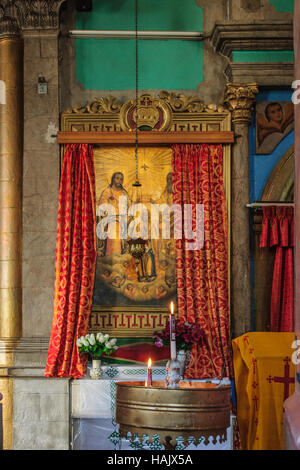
[278, 232]
[75, 262]
[202, 274]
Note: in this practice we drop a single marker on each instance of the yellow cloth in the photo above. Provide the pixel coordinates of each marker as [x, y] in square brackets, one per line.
[261, 361]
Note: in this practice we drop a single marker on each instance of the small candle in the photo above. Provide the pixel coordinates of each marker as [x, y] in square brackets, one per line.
[149, 374]
[172, 333]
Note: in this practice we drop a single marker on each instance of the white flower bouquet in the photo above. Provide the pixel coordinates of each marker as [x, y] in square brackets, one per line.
[97, 346]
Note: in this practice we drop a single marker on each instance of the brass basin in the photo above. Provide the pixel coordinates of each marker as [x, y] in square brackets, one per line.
[196, 410]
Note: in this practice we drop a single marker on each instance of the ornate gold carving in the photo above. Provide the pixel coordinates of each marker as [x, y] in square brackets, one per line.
[98, 106]
[155, 113]
[240, 99]
[152, 113]
[181, 103]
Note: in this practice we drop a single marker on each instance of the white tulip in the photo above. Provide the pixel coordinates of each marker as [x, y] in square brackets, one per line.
[106, 337]
[79, 343]
[85, 342]
[100, 338]
[113, 341]
[92, 339]
[115, 347]
[108, 345]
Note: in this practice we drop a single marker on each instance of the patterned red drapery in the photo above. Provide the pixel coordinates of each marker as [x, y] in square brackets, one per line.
[75, 262]
[278, 232]
[202, 274]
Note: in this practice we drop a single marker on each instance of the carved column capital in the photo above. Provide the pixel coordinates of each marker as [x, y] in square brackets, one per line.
[240, 99]
[30, 14]
[8, 26]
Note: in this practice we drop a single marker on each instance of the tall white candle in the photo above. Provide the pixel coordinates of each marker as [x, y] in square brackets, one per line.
[149, 374]
[172, 333]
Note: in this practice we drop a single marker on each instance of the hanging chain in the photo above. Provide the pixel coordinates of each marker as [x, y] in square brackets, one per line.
[136, 95]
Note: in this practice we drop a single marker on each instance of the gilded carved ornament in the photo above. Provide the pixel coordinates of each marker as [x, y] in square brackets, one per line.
[98, 106]
[240, 99]
[152, 113]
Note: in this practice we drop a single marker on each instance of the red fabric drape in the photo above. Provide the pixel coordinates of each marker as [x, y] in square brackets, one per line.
[278, 232]
[202, 274]
[75, 262]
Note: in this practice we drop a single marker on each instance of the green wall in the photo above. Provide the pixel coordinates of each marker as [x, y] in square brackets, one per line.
[165, 15]
[110, 64]
[263, 56]
[283, 5]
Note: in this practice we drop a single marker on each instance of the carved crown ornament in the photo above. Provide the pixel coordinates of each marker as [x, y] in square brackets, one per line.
[177, 103]
[167, 112]
[18, 15]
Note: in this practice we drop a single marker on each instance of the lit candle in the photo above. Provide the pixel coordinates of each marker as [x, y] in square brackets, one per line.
[172, 333]
[149, 374]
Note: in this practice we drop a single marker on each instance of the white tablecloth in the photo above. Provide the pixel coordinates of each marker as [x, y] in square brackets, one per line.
[93, 410]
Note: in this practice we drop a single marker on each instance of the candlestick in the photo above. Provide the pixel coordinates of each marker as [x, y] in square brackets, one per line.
[172, 333]
[149, 374]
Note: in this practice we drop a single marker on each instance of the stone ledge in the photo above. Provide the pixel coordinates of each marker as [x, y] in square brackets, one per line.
[263, 73]
[227, 37]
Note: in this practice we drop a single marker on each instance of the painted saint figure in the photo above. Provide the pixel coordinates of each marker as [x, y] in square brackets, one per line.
[145, 268]
[111, 195]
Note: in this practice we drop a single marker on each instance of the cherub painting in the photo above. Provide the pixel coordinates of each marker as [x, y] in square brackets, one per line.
[274, 120]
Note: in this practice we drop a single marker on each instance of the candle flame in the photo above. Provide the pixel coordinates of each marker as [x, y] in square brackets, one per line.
[172, 308]
[145, 383]
[149, 362]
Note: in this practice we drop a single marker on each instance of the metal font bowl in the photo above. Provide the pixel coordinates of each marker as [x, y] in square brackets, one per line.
[194, 410]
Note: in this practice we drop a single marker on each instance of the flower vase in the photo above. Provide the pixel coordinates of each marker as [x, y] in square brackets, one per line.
[185, 359]
[96, 371]
[181, 356]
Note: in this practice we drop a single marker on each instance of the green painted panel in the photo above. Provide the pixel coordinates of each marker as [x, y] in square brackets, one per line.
[263, 56]
[164, 15]
[283, 5]
[109, 64]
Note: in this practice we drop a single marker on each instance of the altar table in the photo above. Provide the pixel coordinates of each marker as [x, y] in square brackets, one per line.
[264, 378]
[93, 412]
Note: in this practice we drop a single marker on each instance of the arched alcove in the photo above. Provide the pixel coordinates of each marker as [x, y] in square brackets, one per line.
[279, 187]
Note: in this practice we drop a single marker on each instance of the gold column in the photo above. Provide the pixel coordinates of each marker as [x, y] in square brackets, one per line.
[240, 99]
[11, 149]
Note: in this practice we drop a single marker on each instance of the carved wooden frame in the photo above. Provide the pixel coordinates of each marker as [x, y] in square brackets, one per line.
[169, 119]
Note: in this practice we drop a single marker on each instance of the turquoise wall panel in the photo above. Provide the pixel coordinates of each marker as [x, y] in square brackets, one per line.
[283, 5]
[262, 56]
[164, 15]
[109, 64]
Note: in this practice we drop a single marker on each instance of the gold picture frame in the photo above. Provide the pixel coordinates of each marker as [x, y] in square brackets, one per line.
[167, 119]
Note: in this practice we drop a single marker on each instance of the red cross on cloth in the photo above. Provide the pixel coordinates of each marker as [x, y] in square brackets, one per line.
[286, 379]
